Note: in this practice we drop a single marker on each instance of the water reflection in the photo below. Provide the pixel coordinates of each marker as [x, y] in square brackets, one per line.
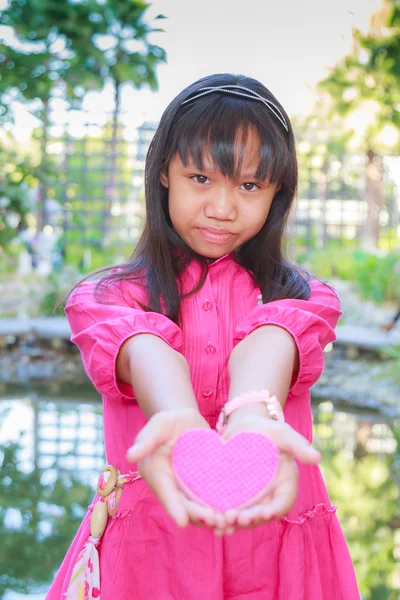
[54, 434]
[50, 456]
[51, 452]
[362, 469]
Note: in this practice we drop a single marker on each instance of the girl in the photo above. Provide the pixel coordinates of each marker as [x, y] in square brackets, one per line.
[206, 315]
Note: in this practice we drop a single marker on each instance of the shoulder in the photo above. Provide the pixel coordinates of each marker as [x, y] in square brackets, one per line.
[323, 292]
[322, 297]
[125, 292]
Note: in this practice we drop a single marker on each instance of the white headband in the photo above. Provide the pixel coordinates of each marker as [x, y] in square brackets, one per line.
[234, 89]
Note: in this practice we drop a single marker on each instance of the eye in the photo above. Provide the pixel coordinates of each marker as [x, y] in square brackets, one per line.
[202, 179]
[250, 187]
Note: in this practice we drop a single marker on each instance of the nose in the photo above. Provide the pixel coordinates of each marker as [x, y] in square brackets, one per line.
[221, 205]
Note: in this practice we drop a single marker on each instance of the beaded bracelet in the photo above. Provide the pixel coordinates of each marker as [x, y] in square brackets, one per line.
[273, 405]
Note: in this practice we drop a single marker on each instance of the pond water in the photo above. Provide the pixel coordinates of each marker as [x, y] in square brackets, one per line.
[51, 453]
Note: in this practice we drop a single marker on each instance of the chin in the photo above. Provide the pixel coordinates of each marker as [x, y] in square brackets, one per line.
[213, 253]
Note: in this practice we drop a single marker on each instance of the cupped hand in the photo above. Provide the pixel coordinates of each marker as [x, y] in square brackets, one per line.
[282, 494]
[152, 451]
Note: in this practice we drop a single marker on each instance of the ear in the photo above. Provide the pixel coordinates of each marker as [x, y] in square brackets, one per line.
[164, 179]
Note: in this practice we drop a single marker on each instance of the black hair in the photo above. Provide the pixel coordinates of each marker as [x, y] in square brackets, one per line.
[212, 123]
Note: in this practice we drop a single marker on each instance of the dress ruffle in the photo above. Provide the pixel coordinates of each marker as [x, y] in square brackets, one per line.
[99, 330]
[315, 553]
[307, 558]
[317, 511]
[309, 324]
[310, 561]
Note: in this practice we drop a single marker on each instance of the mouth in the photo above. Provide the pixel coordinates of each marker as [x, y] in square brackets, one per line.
[216, 236]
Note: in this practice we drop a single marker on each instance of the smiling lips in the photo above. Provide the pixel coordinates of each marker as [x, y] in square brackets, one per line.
[216, 236]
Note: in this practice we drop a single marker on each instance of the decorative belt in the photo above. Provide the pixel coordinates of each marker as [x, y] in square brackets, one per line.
[85, 579]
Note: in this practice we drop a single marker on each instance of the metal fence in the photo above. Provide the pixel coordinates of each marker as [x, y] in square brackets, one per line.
[95, 199]
[351, 202]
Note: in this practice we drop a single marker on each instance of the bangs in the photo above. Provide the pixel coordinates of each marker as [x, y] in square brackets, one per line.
[217, 128]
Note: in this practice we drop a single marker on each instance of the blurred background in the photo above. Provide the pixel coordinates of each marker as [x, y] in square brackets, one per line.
[83, 84]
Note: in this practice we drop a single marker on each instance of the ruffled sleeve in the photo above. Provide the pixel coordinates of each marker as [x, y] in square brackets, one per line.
[99, 330]
[311, 324]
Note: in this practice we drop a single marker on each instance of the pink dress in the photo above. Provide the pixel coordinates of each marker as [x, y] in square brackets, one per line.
[143, 555]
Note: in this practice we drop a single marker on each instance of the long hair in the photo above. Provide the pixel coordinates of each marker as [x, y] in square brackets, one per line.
[213, 124]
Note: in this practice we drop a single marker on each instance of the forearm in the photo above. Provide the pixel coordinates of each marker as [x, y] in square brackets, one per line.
[159, 375]
[265, 359]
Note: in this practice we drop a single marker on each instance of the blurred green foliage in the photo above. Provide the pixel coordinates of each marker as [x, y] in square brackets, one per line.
[41, 509]
[37, 521]
[364, 93]
[54, 49]
[50, 303]
[19, 176]
[57, 43]
[370, 76]
[83, 193]
[90, 257]
[364, 487]
[375, 276]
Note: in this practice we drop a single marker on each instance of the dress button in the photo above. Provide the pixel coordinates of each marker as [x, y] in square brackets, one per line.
[207, 306]
[207, 393]
[210, 349]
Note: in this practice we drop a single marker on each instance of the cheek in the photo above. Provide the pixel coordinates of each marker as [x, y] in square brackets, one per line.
[181, 212]
[174, 215]
[255, 217]
[183, 204]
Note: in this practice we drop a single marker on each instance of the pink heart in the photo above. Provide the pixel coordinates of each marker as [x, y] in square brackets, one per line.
[222, 473]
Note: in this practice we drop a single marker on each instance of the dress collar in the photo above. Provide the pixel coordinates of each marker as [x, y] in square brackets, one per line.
[220, 259]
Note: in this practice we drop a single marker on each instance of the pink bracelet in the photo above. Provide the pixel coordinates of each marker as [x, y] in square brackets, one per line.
[273, 405]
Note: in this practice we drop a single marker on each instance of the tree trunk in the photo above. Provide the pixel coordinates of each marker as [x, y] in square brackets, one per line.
[323, 198]
[374, 197]
[42, 216]
[111, 188]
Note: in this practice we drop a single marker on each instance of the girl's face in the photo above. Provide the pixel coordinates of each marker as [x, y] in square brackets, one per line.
[215, 214]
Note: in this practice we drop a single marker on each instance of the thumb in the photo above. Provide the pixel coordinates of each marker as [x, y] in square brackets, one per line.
[155, 433]
[297, 446]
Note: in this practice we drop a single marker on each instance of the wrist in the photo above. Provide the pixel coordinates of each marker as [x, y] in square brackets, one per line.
[250, 410]
[189, 414]
[184, 410]
[256, 403]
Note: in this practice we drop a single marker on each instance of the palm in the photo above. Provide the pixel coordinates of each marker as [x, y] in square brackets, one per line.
[158, 463]
[282, 496]
[285, 482]
[155, 466]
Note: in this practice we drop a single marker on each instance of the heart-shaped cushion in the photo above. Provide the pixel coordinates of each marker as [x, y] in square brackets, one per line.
[223, 473]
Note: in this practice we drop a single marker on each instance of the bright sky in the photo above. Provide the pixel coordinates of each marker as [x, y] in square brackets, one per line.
[288, 44]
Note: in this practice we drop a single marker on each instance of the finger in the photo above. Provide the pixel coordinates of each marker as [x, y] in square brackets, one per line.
[249, 516]
[169, 496]
[231, 516]
[219, 532]
[281, 504]
[222, 525]
[224, 531]
[199, 514]
[253, 524]
[220, 522]
[155, 433]
[296, 445]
